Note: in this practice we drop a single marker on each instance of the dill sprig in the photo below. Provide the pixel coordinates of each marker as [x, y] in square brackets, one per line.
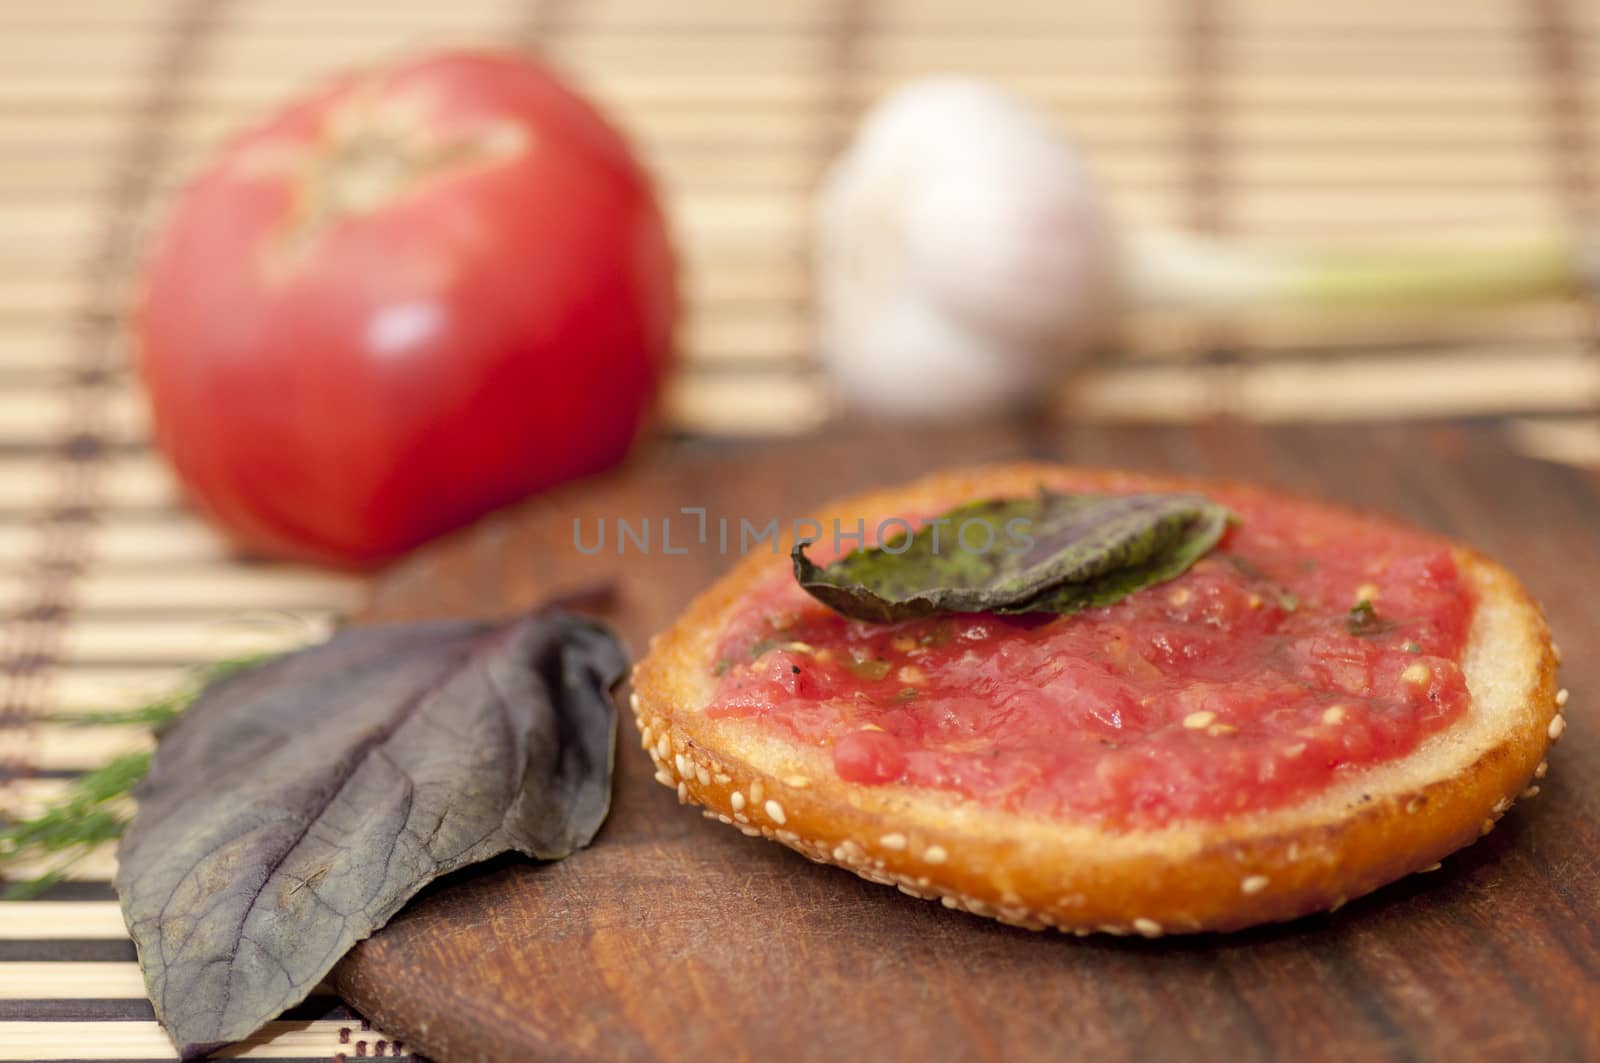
[154, 715]
[97, 807]
[94, 811]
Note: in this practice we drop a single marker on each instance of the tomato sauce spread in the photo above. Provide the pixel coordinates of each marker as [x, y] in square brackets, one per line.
[1253, 679]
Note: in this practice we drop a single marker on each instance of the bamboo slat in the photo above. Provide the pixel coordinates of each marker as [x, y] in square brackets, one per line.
[83, 749]
[1289, 335]
[136, 481]
[131, 541]
[61, 921]
[220, 590]
[1571, 441]
[69, 981]
[31, 415]
[98, 866]
[91, 688]
[1371, 388]
[183, 640]
[1394, 213]
[34, 347]
[45, 1042]
[740, 406]
[26, 796]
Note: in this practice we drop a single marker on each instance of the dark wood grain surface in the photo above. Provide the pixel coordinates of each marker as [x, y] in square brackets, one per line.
[675, 938]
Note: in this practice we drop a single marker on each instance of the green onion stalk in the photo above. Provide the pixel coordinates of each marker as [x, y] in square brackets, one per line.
[1165, 269]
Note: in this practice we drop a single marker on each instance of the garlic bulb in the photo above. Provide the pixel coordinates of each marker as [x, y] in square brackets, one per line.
[962, 255]
[964, 260]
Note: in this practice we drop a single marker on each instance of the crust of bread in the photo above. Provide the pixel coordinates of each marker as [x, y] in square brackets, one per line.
[1376, 826]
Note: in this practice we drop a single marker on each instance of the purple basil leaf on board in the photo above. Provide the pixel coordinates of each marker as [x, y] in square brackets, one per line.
[296, 806]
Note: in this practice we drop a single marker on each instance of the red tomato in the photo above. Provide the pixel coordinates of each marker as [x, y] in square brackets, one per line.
[410, 299]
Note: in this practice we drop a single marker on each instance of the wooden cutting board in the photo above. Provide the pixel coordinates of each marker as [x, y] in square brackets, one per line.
[676, 938]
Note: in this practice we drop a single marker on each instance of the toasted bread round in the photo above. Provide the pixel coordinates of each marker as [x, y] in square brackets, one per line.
[1370, 828]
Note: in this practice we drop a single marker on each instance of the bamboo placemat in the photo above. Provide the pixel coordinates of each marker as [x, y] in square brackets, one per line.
[1283, 122]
